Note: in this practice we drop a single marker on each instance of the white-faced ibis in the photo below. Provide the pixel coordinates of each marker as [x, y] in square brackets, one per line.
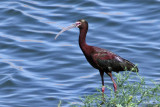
[101, 59]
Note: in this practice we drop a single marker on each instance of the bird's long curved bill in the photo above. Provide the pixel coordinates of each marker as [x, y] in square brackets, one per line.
[66, 28]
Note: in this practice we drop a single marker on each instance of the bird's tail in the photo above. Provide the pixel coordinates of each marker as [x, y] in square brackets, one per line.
[131, 67]
[134, 68]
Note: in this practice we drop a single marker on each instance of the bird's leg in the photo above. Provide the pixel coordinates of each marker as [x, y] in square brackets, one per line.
[114, 83]
[103, 87]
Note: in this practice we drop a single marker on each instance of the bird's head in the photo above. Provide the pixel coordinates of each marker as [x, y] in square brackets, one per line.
[81, 23]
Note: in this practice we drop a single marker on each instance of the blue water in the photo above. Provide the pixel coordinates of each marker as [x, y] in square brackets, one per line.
[36, 70]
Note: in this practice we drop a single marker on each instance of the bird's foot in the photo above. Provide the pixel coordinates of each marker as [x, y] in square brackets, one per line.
[115, 92]
[103, 100]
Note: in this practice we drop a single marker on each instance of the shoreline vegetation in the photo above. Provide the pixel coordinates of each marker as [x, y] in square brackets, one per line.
[129, 94]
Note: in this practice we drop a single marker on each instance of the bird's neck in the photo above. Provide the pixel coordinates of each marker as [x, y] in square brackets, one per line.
[82, 38]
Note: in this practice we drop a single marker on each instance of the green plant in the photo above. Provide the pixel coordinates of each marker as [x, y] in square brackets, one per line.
[128, 94]
[59, 105]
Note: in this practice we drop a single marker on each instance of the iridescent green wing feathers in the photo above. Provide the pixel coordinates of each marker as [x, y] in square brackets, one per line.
[110, 62]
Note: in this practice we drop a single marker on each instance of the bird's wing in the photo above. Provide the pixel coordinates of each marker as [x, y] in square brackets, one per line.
[111, 62]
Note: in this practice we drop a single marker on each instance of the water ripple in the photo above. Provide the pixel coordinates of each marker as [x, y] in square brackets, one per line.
[38, 71]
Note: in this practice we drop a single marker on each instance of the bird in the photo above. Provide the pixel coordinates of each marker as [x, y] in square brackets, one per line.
[102, 59]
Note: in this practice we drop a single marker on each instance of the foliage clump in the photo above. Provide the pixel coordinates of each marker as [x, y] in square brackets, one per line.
[129, 94]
